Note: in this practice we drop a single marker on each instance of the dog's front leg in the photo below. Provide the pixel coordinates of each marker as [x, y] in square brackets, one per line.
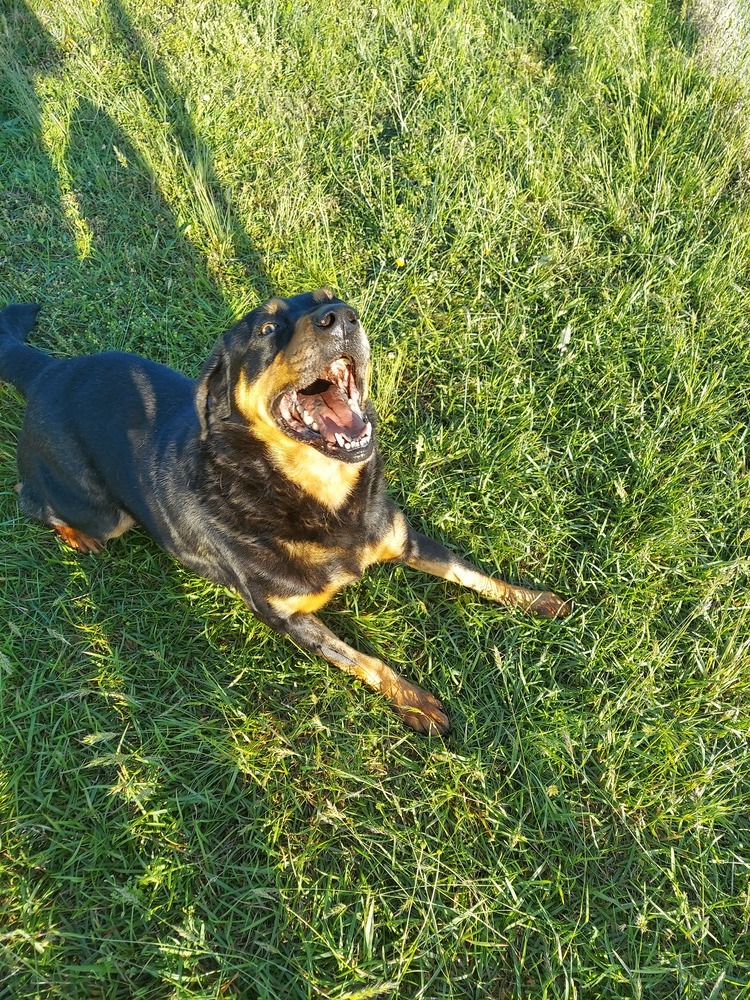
[429, 556]
[417, 708]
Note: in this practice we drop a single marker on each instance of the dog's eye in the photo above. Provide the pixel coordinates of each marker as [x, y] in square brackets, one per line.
[268, 328]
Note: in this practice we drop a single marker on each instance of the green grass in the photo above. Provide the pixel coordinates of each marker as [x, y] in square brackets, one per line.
[542, 211]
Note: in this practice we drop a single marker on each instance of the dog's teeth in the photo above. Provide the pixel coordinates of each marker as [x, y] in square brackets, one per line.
[340, 440]
[307, 418]
[314, 425]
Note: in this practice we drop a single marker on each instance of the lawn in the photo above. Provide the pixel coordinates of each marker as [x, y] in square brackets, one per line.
[542, 212]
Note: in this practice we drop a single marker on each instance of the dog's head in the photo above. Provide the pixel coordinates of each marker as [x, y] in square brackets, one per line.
[294, 373]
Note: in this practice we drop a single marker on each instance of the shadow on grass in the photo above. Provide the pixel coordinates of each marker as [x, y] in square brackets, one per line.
[169, 106]
[116, 733]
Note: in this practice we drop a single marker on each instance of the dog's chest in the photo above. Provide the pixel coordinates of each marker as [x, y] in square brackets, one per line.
[313, 573]
[317, 571]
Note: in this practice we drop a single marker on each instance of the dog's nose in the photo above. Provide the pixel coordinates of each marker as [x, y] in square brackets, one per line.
[335, 318]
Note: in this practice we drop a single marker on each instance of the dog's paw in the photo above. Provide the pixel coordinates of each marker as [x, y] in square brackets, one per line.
[78, 540]
[420, 710]
[549, 605]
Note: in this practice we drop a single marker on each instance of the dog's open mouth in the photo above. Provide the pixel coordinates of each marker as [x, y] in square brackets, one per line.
[327, 413]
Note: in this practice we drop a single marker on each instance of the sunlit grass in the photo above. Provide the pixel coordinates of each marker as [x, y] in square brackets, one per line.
[542, 213]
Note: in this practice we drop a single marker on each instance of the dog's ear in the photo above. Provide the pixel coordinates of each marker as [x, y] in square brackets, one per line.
[213, 390]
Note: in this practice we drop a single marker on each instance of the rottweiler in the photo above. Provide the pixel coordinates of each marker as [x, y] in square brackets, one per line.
[262, 475]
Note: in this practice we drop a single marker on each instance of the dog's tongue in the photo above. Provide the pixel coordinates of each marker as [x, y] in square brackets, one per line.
[331, 411]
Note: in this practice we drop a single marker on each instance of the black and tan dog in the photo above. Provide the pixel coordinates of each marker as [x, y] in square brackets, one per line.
[263, 475]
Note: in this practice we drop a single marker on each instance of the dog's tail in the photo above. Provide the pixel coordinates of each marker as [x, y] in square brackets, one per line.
[19, 363]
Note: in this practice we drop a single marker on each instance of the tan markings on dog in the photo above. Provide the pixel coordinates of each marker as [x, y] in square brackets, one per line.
[374, 673]
[77, 539]
[252, 399]
[272, 306]
[390, 546]
[326, 479]
[313, 601]
[419, 709]
[312, 553]
[125, 523]
[542, 602]
[323, 295]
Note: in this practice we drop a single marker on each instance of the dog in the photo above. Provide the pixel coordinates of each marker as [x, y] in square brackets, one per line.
[262, 475]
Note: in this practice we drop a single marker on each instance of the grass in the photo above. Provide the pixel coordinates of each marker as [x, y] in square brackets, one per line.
[542, 211]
